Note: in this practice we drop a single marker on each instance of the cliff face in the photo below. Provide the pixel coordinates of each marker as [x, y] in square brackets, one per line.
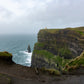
[76, 65]
[66, 43]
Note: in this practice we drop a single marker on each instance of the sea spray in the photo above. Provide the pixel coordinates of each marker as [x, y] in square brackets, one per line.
[24, 60]
[17, 45]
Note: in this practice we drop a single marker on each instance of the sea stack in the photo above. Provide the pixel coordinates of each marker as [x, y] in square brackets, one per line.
[29, 49]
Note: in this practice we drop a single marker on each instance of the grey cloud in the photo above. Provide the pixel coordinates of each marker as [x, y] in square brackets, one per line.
[61, 14]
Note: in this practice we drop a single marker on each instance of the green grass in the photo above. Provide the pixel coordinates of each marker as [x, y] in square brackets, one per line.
[49, 30]
[51, 71]
[80, 32]
[78, 60]
[78, 29]
[43, 53]
[38, 44]
[6, 54]
[75, 63]
[61, 61]
[49, 57]
[65, 52]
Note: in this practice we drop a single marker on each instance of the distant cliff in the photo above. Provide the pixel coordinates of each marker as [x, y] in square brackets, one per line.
[67, 43]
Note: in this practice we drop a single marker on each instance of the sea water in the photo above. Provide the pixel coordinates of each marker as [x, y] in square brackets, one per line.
[17, 45]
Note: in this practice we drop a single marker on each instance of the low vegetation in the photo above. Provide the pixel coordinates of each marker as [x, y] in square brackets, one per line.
[44, 54]
[75, 63]
[65, 52]
[59, 47]
[4, 79]
[49, 30]
[51, 71]
[39, 45]
[6, 57]
[80, 30]
[60, 61]
[6, 54]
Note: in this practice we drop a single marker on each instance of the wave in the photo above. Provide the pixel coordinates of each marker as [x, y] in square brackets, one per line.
[28, 59]
[25, 52]
[23, 58]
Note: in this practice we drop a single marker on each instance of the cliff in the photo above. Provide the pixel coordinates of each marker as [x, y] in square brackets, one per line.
[6, 57]
[17, 74]
[76, 65]
[66, 43]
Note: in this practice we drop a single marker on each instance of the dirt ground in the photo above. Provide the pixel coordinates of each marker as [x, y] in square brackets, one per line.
[24, 75]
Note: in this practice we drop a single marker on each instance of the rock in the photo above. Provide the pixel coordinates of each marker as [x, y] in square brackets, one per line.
[29, 49]
[67, 43]
[76, 65]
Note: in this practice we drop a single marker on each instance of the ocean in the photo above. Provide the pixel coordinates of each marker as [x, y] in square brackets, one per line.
[17, 45]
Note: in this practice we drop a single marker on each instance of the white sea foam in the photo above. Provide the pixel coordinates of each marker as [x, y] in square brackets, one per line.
[28, 59]
[23, 58]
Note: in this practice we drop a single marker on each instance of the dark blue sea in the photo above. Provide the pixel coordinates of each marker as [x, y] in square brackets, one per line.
[17, 45]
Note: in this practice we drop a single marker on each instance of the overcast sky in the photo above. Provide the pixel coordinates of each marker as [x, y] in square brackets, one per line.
[28, 16]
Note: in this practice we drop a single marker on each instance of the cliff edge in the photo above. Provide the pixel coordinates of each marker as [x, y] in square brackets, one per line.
[6, 57]
[57, 44]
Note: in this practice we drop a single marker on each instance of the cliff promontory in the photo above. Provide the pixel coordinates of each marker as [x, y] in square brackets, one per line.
[6, 57]
[54, 45]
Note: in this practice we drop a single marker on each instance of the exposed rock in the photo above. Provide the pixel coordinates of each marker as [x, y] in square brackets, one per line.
[76, 65]
[67, 43]
[29, 49]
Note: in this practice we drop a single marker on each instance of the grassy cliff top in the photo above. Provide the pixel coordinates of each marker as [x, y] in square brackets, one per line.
[6, 57]
[5, 54]
[78, 29]
[50, 30]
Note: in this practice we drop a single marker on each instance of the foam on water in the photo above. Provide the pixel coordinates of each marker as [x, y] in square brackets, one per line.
[17, 45]
[28, 60]
[23, 58]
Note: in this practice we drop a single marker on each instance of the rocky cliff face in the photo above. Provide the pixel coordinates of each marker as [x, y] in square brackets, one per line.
[66, 43]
